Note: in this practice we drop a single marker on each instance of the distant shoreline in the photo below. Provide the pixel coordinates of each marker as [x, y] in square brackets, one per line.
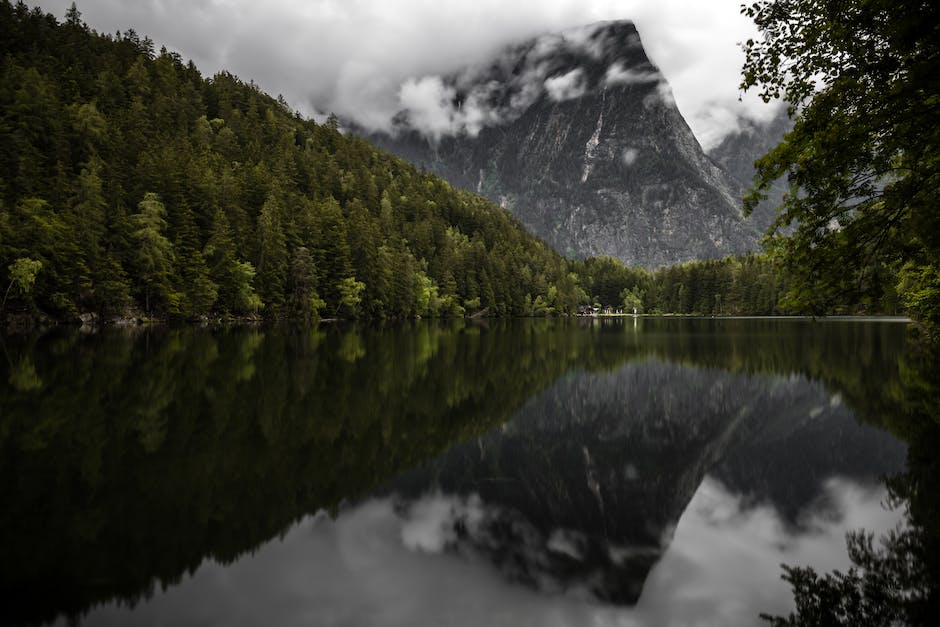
[27, 324]
[843, 318]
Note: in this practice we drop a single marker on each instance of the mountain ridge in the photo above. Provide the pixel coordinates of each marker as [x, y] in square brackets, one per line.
[577, 134]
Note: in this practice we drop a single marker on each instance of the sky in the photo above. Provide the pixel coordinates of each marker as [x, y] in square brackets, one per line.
[360, 58]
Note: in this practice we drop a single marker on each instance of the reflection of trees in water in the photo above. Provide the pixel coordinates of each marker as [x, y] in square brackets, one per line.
[896, 579]
[172, 446]
[145, 452]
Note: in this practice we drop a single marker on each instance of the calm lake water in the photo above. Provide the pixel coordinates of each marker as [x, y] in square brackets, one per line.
[582, 472]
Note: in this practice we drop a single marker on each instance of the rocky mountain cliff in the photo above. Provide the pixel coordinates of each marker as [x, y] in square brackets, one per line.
[738, 151]
[578, 135]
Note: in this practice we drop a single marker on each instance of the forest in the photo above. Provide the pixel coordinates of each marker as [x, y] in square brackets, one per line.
[130, 181]
[131, 186]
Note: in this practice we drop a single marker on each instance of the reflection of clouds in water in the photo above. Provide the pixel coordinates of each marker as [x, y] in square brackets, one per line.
[381, 565]
[567, 542]
[722, 567]
[431, 523]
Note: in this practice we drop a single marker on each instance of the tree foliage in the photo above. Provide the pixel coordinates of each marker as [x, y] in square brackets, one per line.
[735, 285]
[863, 83]
[23, 273]
[136, 181]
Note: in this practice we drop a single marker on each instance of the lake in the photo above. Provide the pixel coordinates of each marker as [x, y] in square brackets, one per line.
[533, 472]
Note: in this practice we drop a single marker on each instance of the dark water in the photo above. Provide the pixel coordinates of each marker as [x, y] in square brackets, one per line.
[606, 472]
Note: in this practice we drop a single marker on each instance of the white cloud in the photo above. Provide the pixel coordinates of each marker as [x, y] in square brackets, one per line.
[566, 86]
[664, 90]
[718, 530]
[695, 44]
[617, 74]
[354, 57]
[429, 104]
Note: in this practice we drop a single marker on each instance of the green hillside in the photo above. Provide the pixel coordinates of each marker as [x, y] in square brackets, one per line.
[138, 184]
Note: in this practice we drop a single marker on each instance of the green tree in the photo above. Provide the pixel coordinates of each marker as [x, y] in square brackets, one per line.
[154, 255]
[86, 223]
[233, 277]
[197, 290]
[23, 273]
[305, 303]
[632, 300]
[427, 300]
[272, 258]
[333, 258]
[92, 124]
[863, 83]
[350, 291]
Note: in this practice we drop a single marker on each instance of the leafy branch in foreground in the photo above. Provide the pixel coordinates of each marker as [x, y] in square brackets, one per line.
[885, 586]
[863, 159]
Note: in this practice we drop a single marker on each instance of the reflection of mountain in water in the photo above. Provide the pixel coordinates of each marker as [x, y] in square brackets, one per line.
[789, 458]
[584, 487]
[178, 446]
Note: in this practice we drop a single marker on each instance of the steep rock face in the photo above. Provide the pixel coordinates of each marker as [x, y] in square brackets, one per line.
[738, 151]
[577, 134]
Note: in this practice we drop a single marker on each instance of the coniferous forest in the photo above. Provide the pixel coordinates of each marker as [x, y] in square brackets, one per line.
[132, 186]
[135, 182]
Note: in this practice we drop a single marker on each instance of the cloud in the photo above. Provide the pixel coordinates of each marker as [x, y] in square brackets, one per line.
[719, 529]
[696, 46]
[354, 57]
[566, 86]
[498, 90]
[429, 104]
[617, 74]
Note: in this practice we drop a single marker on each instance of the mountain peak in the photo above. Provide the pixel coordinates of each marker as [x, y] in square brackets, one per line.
[558, 66]
[577, 134]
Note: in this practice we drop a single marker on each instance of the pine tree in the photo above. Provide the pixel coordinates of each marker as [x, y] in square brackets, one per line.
[334, 259]
[271, 280]
[305, 303]
[232, 277]
[154, 256]
[198, 291]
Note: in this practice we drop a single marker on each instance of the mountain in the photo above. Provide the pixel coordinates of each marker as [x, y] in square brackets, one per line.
[578, 135]
[738, 151]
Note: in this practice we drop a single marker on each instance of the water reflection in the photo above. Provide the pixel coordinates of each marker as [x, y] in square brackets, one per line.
[549, 462]
[586, 484]
[378, 564]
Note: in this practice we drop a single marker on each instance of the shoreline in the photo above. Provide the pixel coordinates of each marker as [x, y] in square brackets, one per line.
[24, 324]
[833, 318]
